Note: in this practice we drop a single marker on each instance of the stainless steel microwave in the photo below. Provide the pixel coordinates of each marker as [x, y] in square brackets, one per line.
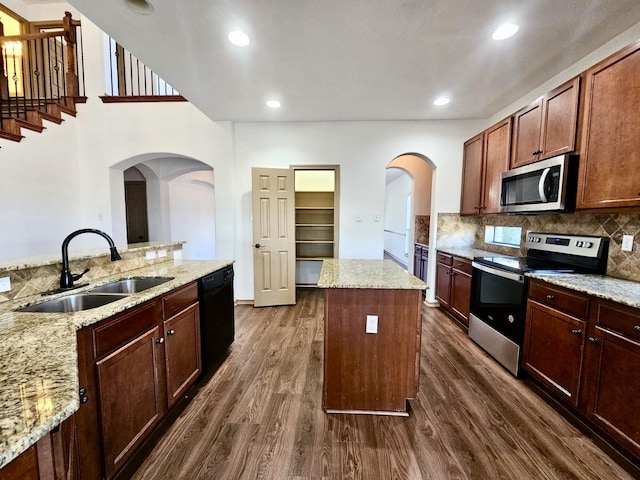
[545, 186]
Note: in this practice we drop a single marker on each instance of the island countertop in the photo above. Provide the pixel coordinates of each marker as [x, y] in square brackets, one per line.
[39, 365]
[368, 273]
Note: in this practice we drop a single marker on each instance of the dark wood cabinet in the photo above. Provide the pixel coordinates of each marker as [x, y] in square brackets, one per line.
[547, 127]
[486, 156]
[133, 367]
[453, 285]
[461, 289]
[612, 380]
[182, 352]
[554, 340]
[472, 169]
[421, 262]
[611, 128]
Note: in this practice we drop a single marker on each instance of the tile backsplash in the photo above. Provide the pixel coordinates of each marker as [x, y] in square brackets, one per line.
[458, 231]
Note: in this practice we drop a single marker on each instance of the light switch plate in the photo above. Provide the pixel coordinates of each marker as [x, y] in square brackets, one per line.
[372, 324]
[627, 243]
[5, 284]
[162, 253]
[150, 255]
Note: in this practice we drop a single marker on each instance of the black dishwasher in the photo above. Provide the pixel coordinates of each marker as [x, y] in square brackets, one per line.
[215, 293]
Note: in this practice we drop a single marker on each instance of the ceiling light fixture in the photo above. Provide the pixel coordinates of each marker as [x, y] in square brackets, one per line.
[441, 101]
[273, 104]
[505, 31]
[238, 38]
[139, 6]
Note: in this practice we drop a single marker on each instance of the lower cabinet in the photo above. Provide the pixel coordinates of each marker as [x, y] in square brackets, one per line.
[133, 367]
[453, 285]
[586, 352]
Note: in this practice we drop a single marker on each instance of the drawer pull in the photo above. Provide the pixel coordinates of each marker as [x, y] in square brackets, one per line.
[551, 297]
[577, 331]
[171, 332]
[160, 341]
[637, 327]
[594, 340]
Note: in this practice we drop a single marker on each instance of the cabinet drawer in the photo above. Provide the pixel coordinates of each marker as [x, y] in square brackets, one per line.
[444, 258]
[573, 303]
[179, 299]
[417, 250]
[112, 334]
[624, 320]
[462, 264]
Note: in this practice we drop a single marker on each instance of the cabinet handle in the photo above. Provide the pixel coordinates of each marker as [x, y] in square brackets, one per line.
[551, 297]
[171, 332]
[577, 331]
[160, 341]
[637, 327]
[84, 399]
[594, 340]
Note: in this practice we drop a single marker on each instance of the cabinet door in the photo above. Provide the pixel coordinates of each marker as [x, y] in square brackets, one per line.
[130, 401]
[497, 147]
[424, 261]
[182, 352]
[552, 352]
[527, 124]
[560, 120]
[471, 197]
[614, 386]
[609, 149]
[460, 295]
[443, 285]
[417, 261]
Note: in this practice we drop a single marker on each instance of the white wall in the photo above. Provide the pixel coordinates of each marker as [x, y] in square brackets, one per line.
[395, 216]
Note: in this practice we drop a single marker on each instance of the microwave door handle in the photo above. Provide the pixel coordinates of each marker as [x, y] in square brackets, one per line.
[543, 180]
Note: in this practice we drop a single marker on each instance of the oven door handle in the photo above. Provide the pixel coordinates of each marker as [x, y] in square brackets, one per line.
[500, 273]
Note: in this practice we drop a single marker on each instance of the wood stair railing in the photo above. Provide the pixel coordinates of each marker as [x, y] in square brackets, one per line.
[39, 79]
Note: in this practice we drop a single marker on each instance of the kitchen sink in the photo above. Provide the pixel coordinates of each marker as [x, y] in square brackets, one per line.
[131, 285]
[73, 303]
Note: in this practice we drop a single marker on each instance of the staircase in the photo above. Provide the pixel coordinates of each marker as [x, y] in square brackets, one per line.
[39, 79]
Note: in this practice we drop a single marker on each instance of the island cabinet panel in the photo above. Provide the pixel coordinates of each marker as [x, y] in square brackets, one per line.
[612, 389]
[23, 467]
[609, 149]
[130, 400]
[371, 372]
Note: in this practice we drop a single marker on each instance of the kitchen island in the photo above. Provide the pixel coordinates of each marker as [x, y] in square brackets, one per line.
[371, 336]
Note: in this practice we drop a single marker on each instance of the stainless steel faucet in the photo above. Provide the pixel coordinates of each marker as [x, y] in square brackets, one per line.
[66, 277]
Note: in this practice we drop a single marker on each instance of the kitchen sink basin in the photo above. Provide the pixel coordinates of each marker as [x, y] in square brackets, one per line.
[73, 303]
[131, 285]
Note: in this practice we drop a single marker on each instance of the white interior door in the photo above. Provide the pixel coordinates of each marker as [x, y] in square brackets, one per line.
[274, 257]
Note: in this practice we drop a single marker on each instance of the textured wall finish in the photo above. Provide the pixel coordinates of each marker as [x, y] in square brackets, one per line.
[454, 231]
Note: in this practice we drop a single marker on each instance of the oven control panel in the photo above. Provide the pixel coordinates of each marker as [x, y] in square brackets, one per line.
[581, 245]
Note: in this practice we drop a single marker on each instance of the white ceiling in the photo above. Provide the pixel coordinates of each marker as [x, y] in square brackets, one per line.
[333, 60]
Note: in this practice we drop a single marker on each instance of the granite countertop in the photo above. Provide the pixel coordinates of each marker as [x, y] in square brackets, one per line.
[615, 289]
[468, 252]
[379, 274]
[38, 363]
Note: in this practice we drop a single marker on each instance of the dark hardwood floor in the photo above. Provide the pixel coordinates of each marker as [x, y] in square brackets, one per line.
[260, 416]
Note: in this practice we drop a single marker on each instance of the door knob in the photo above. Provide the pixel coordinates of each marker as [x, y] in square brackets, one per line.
[257, 245]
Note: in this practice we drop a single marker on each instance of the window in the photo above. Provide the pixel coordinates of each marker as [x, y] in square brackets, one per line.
[509, 236]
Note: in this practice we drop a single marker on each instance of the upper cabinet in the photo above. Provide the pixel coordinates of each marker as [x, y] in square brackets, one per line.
[486, 156]
[547, 127]
[610, 150]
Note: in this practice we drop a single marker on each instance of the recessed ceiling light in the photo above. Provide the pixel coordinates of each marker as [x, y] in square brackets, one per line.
[238, 38]
[441, 101]
[273, 104]
[505, 31]
[139, 6]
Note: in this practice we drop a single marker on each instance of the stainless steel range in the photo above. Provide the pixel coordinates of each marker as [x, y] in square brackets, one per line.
[499, 288]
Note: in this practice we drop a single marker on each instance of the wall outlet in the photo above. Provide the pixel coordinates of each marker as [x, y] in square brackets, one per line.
[162, 253]
[150, 255]
[372, 324]
[376, 218]
[5, 284]
[627, 243]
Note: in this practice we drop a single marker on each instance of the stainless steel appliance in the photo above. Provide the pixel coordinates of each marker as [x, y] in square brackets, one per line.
[548, 185]
[499, 288]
